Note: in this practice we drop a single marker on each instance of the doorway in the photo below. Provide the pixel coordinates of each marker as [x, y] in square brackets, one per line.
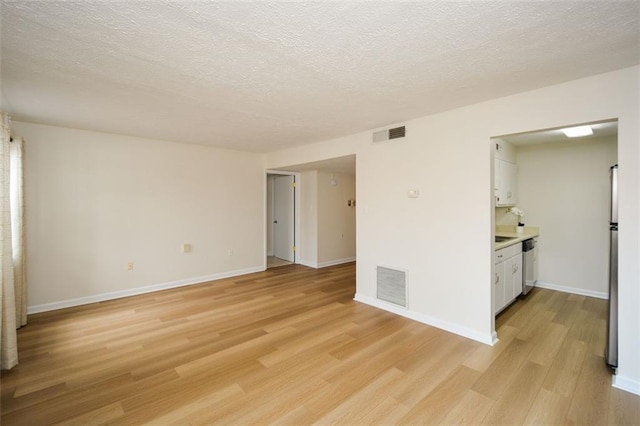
[562, 185]
[281, 219]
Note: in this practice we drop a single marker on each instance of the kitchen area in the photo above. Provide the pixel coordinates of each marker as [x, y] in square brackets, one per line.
[515, 250]
[552, 206]
[516, 265]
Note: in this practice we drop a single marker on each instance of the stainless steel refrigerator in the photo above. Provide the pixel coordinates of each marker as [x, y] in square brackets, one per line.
[611, 351]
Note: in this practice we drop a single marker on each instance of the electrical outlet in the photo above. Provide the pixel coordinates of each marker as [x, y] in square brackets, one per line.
[230, 252]
[130, 266]
[186, 248]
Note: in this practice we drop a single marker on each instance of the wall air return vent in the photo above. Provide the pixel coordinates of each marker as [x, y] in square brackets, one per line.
[392, 286]
[389, 134]
[397, 132]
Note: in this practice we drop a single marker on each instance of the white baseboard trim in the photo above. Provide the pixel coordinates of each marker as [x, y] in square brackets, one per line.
[316, 265]
[573, 290]
[139, 290]
[488, 339]
[336, 262]
[309, 263]
[494, 338]
[626, 384]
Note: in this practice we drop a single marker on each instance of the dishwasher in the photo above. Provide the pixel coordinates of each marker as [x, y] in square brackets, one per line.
[529, 265]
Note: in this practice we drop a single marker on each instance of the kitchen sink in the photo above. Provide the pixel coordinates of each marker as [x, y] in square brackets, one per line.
[503, 239]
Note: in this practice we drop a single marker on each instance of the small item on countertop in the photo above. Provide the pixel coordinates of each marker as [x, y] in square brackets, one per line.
[520, 213]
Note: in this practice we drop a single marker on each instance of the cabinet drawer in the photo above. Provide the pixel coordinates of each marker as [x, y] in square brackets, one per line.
[507, 252]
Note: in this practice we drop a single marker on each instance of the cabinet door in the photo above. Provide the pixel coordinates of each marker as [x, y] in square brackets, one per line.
[509, 268]
[511, 177]
[500, 185]
[535, 263]
[498, 288]
[515, 287]
[505, 176]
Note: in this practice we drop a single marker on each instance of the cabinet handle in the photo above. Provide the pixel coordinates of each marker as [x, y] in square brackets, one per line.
[497, 278]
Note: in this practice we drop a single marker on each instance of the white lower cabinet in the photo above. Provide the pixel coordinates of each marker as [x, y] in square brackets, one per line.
[498, 288]
[508, 276]
[513, 285]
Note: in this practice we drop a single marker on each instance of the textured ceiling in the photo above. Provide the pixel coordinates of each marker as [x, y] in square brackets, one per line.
[260, 76]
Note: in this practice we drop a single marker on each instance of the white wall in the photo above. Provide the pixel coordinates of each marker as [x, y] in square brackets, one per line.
[564, 189]
[336, 220]
[444, 237]
[328, 224]
[270, 219]
[97, 201]
[309, 218]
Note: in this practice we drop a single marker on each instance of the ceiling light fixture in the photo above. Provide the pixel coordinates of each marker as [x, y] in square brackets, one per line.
[576, 132]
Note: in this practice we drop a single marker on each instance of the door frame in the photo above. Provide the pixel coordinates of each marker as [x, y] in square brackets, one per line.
[296, 215]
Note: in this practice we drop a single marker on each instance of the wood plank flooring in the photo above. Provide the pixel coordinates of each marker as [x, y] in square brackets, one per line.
[290, 346]
[274, 262]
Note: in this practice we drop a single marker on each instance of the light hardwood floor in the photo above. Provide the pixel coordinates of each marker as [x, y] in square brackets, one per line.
[274, 262]
[290, 346]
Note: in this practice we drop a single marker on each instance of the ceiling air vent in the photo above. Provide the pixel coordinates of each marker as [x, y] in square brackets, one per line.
[388, 134]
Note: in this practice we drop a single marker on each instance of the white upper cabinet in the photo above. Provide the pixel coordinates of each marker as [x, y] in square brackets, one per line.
[505, 183]
[506, 171]
[503, 150]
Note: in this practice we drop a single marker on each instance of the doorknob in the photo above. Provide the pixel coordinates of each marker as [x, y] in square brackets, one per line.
[275, 221]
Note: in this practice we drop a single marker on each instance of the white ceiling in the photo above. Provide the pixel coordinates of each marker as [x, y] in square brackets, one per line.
[261, 76]
[346, 164]
[600, 129]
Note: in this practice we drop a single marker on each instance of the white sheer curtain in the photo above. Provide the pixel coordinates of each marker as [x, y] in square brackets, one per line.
[12, 277]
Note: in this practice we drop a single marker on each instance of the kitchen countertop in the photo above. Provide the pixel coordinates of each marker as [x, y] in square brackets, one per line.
[509, 231]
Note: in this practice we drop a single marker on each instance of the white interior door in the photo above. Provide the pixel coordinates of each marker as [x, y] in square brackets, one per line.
[283, 218]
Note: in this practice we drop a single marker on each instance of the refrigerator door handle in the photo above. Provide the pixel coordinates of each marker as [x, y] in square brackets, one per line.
[614, 195]
[612, 323]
